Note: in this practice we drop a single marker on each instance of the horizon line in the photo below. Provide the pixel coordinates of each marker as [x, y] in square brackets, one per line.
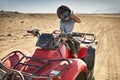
[55, 13]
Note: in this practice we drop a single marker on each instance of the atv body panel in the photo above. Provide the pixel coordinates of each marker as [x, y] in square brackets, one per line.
[50, 63]
[40, 58]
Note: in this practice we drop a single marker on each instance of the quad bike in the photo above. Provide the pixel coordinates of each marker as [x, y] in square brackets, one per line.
[52, 59]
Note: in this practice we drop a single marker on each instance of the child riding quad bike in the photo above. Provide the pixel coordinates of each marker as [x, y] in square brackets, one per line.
[52, 59]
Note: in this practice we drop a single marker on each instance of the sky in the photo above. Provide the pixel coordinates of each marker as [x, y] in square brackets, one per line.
[50, 6]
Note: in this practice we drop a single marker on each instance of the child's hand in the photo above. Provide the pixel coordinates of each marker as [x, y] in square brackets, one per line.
[72, 15]
[64, 39]
[75, 18]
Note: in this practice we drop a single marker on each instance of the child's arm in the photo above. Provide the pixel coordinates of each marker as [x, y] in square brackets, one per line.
[75, 18]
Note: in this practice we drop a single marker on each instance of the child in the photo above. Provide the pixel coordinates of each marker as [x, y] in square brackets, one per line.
[66, 25]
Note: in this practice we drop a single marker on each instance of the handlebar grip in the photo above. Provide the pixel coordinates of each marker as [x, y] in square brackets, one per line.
[35, 32]
[29, 31]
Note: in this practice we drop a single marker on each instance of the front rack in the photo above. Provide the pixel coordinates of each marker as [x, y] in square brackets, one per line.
[35, 74]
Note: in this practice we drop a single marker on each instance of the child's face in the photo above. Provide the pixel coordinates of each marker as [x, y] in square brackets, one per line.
[65, 16]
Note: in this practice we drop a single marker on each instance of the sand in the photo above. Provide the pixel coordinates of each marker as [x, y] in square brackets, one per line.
[13, 36]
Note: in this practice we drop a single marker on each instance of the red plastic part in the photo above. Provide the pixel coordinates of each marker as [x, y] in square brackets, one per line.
[76, 65]
[66, 53]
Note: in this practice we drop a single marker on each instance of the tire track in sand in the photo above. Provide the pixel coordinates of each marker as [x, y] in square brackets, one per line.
[107, 62]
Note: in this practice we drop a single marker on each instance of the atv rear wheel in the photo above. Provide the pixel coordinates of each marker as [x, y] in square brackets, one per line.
[90, 59]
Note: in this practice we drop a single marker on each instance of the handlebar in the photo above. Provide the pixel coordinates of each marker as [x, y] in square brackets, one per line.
[34, 32]
[84, 37]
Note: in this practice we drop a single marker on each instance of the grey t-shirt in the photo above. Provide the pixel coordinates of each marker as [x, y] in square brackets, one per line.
[67, 26]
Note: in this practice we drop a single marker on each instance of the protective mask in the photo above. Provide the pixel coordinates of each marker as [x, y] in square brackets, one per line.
[66, 15]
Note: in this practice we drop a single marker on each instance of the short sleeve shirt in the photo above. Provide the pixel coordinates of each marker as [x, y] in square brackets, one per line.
[67, 26]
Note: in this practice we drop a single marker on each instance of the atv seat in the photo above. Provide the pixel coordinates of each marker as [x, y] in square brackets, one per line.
[47, 54]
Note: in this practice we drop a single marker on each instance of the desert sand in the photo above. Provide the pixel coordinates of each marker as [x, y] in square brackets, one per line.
[13, 36]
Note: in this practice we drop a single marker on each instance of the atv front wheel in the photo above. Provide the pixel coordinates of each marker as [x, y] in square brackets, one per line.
[13, 75]
[82, 76]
